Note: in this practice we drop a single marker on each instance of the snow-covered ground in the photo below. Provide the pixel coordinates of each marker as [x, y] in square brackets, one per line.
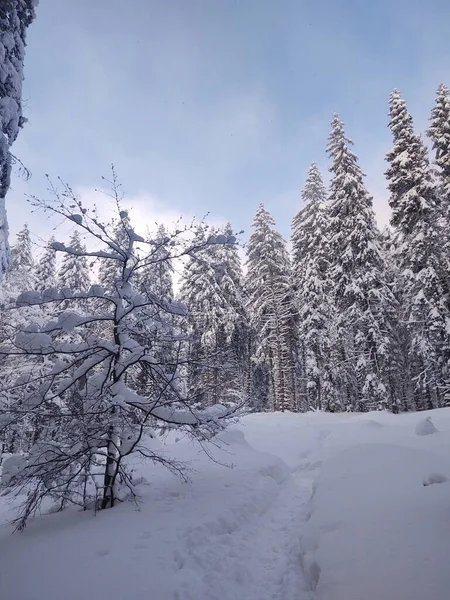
[315, 506]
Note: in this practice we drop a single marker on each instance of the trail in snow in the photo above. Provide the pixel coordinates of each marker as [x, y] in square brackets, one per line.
[262, 560]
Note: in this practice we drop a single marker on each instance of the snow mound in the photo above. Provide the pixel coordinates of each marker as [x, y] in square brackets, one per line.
[233, 437]
[425, 427]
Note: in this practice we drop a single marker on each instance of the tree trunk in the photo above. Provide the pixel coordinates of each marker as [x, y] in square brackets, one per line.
[111, 469]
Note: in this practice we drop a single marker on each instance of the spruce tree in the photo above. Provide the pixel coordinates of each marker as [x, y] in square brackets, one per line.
[421, 261]
[157, 275]
[109, 271]
[307, 223]
[235, 327]
[357, 278]
[439, 133]
[21, 254]
[272, 310]
[310, 261]
[154, 321]
[15, 17]
[412, 194]
[45, 269]
[74, 271]
[211, 290]
[21, 272]
[196, 279]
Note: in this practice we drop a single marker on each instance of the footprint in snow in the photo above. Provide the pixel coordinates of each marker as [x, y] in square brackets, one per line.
[435, 478]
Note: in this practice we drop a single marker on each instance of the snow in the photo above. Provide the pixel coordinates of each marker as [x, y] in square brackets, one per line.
[78, 219]
[134, 237]
[293, 507]
[11, 466]
[29, 298]
[58, 246]
[425, 427]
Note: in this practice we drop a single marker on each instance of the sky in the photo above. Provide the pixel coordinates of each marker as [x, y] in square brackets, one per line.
[213, 106]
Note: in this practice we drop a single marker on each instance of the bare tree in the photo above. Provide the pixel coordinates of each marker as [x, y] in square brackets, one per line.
[80, 388]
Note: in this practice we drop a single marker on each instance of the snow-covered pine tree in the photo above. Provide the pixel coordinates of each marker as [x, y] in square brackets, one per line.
[45, 269]
[157, 278]
[357, 278]
[74, 270]
[236, 348]
[306, 225]
[21, 273]
[196, 277]
[155, 282]
[21, 254]
[21, 276]
[109, 271]
[210, 289]
[439, 133]
[420, 257]
[310, 262]
[272, 310]
[15, 17]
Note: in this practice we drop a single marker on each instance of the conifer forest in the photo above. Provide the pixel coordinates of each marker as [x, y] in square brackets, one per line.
[343, 317]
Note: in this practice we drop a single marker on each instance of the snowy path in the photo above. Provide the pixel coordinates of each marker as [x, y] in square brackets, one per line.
[276, 539]
[262, 560]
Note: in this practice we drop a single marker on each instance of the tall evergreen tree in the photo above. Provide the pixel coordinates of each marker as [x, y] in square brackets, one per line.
[422, 266]
[272, 310]
[154, 321]
[211, 290]
[236, 350]
[15, 17]
[307, 223]
[45, 270]
[439, 133]
[358, 279]
[21, 272]
[310, 262]
[74, 271]
[157, 276]
[109, 271]
[21, 254]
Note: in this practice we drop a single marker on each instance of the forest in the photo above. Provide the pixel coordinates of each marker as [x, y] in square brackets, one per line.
[97, 345]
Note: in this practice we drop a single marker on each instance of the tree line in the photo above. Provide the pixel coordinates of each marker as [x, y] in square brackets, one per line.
[354, 318]
[98, 351]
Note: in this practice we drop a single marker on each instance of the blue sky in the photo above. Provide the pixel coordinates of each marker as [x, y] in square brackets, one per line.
[217, 105]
